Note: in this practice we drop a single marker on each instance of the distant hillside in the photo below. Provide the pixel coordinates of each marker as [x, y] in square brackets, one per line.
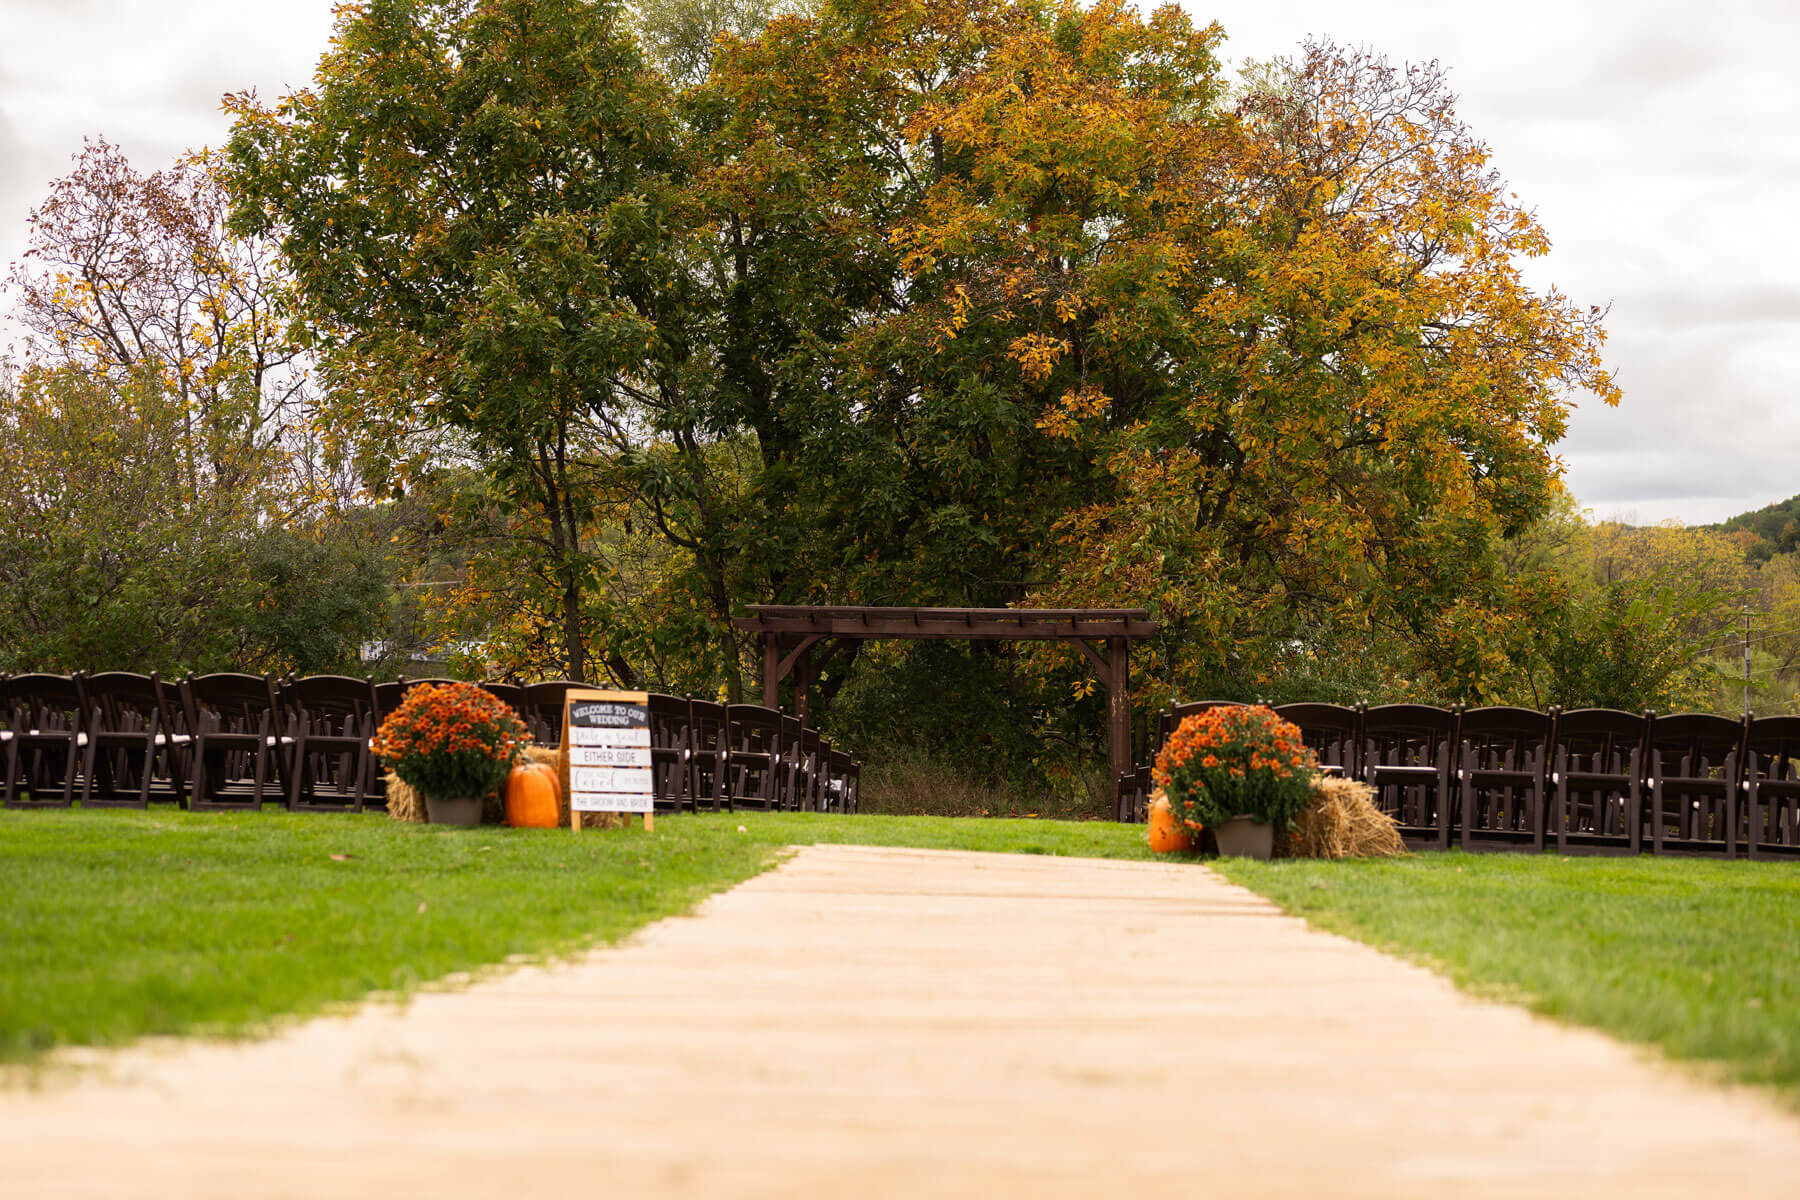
[1777, 528]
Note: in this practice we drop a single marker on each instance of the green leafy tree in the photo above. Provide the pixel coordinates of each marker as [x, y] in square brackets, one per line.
[481, 205]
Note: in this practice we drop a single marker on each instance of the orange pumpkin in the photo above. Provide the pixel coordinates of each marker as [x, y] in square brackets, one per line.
[533, 796]
[1167, 835]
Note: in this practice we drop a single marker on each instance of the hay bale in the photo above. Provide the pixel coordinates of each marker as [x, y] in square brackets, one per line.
[404, 804]
[1343, 822]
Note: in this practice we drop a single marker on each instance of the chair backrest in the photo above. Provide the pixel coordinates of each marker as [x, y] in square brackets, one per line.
[1693, 745]
[1600, 739]
[754, 729]
[339, 702]
[509, 694]
[543, 710]
[711, 725]
[124, 701]
[1170, 717]
[1501, 735]
[1331, 731]
[388, 695]
[1775, 741]
[44, 701]
[1399, 733]
[671, 722]
[237, 701]
[1413, 720]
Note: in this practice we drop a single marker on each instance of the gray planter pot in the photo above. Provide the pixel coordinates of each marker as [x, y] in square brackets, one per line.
[453, 810]
[1240, 837]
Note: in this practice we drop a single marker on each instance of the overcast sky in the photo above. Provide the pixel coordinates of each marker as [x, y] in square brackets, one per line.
[1659, 142]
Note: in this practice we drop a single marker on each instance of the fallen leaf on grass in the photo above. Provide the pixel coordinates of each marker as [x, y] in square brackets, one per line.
[340, 858]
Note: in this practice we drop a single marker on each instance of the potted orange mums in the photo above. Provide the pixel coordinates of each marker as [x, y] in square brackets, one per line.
[453, 744]
[1241, 771]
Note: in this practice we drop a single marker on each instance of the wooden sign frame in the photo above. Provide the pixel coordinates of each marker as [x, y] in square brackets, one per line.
[571, 699]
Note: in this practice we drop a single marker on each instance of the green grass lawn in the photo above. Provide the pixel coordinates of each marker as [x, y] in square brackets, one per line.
[1701, 958]
[118, 924]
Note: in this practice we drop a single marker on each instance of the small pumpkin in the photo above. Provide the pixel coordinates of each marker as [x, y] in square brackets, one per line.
[533, 797]
[1167, 835]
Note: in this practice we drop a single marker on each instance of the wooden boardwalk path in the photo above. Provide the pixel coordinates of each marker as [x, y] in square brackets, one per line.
[873, 1022]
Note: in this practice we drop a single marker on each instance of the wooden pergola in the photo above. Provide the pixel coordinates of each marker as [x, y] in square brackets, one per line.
[790, 632]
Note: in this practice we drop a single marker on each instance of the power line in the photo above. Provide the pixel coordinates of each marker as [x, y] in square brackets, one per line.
[1729, 643]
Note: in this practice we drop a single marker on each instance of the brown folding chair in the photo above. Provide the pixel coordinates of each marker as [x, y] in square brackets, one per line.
[846, 779]
[1694, 784]
[239, 749]
[1503, 776]
[1598, 772]
[48, 722]
[754, 740]
[671, 745]
[815, 769]
[1333, 732]
[1406, 750]
[543, 709]
[709, 775]
[331, 719]
[134, 744]
[1772, 787]
[790, 782]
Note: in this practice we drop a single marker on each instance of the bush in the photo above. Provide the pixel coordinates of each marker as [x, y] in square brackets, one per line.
[451, 739]
[1239, 761]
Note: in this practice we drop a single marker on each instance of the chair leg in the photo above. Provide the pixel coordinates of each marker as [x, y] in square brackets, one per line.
[89, 762]
[1656, 816]
[300, 779]
[1753, 848]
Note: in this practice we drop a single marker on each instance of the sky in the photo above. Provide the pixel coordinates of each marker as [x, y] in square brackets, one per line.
[1659, 143]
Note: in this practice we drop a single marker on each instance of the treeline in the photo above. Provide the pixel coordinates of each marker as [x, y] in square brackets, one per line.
[543, 335]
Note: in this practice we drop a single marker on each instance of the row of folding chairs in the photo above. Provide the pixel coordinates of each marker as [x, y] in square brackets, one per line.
[706, 754]
[1589, 780]
[235, 741]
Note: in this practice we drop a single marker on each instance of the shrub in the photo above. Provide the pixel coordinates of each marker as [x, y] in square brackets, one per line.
[452, 739]
[1236, 761]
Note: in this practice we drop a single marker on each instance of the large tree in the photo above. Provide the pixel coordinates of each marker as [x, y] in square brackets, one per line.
[1259, 356]
[481, 204]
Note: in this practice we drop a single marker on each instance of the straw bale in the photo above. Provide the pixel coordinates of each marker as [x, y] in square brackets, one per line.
[1343, 822]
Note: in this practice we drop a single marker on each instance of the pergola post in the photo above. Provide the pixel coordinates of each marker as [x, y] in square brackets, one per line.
[1118, 654]
[771, 670]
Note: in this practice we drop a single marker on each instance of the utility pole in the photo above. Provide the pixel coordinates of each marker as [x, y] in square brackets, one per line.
[1746, 658]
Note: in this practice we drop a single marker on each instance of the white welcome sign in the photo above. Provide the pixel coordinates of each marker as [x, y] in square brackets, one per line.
[606, 754]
